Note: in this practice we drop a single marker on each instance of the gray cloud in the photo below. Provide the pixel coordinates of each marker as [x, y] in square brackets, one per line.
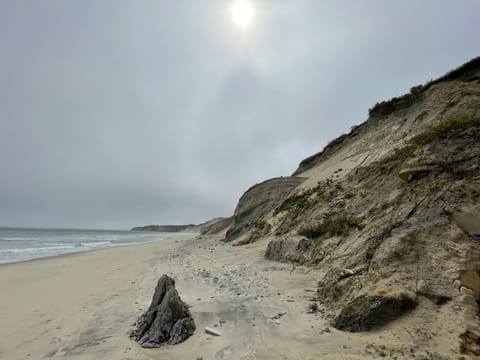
[119, 113]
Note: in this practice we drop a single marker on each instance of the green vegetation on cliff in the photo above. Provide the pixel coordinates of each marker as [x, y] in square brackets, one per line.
[450, 127]
[302, 200]
[332, 224]
[469, 71]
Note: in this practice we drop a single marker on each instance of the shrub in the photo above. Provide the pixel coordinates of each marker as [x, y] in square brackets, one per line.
[299, 200]
[384, 108]
[469, 71]
[332, 224]
[448, 128]
[302, 199]
[261, 224]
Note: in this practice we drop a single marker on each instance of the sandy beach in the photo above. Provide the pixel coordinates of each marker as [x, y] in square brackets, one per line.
[83, 306]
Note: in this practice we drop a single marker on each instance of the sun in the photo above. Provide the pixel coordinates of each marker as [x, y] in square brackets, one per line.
[242, 13]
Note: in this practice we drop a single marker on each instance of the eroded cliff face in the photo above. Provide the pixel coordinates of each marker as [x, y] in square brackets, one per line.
[389, 214]
[256, 203]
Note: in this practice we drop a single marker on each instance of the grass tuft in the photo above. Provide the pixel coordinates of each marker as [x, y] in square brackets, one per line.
[332, 224]
[469, 71]
[303, 199]
[261, 224]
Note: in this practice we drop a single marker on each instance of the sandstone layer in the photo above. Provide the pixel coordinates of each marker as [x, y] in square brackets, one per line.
[388, 215]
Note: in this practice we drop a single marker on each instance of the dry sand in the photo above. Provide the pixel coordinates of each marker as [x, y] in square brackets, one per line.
[82, 306]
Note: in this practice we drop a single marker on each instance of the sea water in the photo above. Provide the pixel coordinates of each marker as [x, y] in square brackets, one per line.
[26, 244]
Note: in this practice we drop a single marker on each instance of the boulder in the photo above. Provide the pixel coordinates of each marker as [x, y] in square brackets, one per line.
[275, 250]
[372, 311]
[167, 320]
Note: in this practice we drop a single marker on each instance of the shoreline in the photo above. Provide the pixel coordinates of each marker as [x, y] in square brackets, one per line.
[111, 246]
[83, 306]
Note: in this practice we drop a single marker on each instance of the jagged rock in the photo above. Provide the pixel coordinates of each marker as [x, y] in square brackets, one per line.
[167, 320]
[368, 312]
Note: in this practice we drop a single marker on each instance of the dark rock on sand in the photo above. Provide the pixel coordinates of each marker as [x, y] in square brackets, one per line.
[312, 308]
[368, 312]
[274, 250]
[167, 320]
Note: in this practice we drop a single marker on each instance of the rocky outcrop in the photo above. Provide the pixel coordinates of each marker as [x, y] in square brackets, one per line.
[370, 312]
[303, 251]
[167, 320]
[257, 202]
[216, 226]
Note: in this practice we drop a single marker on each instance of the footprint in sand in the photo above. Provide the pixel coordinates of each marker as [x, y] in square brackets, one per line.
[226, 351]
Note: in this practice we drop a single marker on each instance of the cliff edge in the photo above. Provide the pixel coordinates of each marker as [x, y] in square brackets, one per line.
[388, 215]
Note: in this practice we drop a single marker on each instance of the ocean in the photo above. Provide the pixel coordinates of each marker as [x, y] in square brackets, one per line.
[26, 244]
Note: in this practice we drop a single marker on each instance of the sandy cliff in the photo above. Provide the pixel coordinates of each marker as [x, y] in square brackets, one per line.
[389, 216]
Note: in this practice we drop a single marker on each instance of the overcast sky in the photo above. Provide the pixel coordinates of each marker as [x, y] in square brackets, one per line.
[121, 113]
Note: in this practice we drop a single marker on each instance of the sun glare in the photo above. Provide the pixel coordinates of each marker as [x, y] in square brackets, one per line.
[242, 13]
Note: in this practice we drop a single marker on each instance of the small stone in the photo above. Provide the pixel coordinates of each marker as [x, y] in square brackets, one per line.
[312, 308]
